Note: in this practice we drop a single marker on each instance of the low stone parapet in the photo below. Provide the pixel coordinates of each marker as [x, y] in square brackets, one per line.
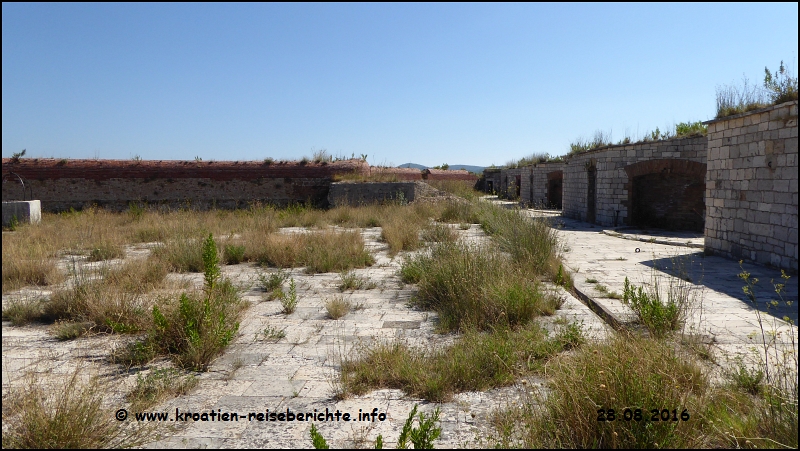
[22, 211]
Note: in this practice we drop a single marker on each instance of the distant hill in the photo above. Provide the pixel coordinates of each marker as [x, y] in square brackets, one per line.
[470, 168]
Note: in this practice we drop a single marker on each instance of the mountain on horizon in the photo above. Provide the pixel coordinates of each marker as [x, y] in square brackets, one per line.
[470, 168]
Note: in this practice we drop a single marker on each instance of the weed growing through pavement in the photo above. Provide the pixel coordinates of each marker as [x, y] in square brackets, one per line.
[198, 328]
[274, 334]
[775, 374]
[422, 436]
[659, 315]
[351, 281]
[471, 287]
[477, 361]
[158, 385]
[337, 307]
[289, 298]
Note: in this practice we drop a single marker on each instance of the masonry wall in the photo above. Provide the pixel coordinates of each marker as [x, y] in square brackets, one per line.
[612, 182]
[494, 176]
[751, 186]
[535, 182]
[113, 184]
[508, 183]
[364, 193]
[411, 174]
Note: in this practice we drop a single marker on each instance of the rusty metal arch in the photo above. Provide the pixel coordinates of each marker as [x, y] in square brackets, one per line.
[8, 176]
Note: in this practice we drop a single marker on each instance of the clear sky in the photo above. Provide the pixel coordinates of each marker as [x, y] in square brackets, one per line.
[425, 83]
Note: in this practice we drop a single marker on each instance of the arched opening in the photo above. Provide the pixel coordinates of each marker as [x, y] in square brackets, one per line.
[667, 194]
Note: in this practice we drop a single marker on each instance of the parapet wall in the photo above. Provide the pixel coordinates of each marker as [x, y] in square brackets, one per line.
[751, 186]
[598, 185]
[365, 193]
[410, 174]
[64, 184]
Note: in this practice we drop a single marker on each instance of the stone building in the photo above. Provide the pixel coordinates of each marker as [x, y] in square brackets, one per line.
[751, 186]
[737, 186]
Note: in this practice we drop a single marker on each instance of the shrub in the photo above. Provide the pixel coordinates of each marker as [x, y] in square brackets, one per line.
[289, 299]
[198, 328]
[658, 315]
[273, 281]
[351, 281]
[781, 86]
[22, 311]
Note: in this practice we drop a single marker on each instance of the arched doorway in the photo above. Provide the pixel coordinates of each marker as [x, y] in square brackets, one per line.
[667, 194]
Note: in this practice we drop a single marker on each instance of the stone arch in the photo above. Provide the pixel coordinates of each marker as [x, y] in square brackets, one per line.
[666, 193]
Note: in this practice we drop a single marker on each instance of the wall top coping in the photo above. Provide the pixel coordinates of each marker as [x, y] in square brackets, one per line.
[535, 165]
[632, 146]
[748, 113]
[54, 169]
[169, 164]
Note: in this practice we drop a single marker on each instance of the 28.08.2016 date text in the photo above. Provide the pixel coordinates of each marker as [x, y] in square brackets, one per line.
[637, 415]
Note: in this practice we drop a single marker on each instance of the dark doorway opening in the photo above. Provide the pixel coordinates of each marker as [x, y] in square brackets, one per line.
[518, 181]
[667, 194]
[555, 182]
[668, 201]
[591, 195]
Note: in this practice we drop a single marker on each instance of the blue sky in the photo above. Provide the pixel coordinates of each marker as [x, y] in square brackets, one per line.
[426, 83]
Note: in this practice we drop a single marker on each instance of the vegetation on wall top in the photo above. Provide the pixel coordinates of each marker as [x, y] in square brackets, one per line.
[778, 87]
[532, 159]
[603, 139]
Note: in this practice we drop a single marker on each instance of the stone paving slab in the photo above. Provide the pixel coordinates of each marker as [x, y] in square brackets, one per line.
[300, 371]
[723, 312]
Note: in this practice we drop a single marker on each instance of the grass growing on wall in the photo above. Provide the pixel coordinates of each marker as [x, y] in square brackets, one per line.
[778, 87]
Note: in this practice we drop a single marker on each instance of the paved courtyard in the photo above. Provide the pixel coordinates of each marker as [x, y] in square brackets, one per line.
[298, 373]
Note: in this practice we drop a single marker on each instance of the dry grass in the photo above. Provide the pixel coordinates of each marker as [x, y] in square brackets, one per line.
[478, 361]
[158, 385]
[28, 264]
[69, 415]
[337, 307]
[471, 287]
[326, 251]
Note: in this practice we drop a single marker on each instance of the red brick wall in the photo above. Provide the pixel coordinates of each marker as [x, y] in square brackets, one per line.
[64, 184]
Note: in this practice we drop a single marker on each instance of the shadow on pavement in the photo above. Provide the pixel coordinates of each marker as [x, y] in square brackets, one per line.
[720, 274]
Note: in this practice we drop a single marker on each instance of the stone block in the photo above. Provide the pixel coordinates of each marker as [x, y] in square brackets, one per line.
[25, 212]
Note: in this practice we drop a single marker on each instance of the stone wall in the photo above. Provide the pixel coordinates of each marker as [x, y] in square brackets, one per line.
[113, 184]
[535, 182]
[491, 180]
[751, 186]
[410, 174]
[364, 193]
[511, 183]
[614, 170]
